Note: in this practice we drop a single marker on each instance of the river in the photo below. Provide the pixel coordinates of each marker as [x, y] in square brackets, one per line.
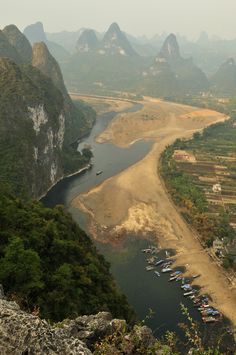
[143, 289]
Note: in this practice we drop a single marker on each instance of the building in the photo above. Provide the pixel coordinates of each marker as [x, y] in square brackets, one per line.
[217, 188]
[218, 245]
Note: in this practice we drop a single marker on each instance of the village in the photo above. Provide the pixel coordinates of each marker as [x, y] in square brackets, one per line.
[216, 181]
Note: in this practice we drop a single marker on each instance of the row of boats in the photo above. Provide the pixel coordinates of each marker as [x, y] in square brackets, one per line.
[208, 313]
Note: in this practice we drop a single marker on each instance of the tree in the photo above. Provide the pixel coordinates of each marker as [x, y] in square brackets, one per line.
[20, 269]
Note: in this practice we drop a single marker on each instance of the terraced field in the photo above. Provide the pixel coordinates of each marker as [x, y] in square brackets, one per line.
[215, 154]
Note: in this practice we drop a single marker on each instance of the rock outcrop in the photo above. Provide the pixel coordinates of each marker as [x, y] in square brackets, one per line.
[19, 42]
[224, 80]
[45, 62]
[115, 42]
[32, 124]
[87, 42]
[7, 50]
[170, 49]
[35, 33]
[171, 73]
[24, 333]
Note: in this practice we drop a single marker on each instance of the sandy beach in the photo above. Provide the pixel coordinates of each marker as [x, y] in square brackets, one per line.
[136, 200]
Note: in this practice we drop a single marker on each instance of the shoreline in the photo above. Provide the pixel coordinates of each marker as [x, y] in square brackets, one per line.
[136, 200]
[85, 168]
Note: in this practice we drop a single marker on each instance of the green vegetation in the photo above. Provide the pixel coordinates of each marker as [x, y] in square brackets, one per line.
[213, 215]
[139, 341]
[73, 160]
[20, 88]
[103, 74]
[48, 262]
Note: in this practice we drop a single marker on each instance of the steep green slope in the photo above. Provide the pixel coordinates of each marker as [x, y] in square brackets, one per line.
[30, 131]
[48, 262]
[91, 72]
[75, 118]
[19, 42]
[7, 50]
[223, 82]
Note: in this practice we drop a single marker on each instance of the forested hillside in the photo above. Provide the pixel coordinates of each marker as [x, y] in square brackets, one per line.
[47, 262]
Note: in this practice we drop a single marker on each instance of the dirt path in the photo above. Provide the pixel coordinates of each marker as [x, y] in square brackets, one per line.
[136, 200]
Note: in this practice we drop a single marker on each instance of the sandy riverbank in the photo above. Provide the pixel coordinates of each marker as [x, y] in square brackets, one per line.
[103, 105]
[136, 199]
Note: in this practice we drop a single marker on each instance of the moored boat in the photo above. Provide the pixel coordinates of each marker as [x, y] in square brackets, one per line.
[210, 319]
[149, 268]
[176, 273]
[167, 269]
[160, 262]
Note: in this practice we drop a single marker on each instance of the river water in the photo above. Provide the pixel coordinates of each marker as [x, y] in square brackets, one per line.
[143, 289]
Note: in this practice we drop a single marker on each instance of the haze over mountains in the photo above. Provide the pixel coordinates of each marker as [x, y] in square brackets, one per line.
[100, 62]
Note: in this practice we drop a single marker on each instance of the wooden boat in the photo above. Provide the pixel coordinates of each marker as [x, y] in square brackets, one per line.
[190, 293]
[159, 262]
[179, 278]
[167, 269]
[157, 273]
[149, 268]
[99, 172]
[176, 273]
[210, 319]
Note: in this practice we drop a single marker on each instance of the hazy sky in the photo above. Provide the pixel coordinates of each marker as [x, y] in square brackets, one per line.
[134, 16]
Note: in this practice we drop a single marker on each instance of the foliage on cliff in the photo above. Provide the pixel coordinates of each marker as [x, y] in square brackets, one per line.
[21, 88]
[47, 261]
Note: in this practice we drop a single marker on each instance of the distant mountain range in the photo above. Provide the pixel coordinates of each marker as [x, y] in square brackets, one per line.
[114, 42]
[170, 72]
[224, 80]
[35, 33]
[114, 60]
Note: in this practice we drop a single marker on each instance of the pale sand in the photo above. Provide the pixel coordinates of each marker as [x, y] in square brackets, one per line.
[136, 200]
[111, 104]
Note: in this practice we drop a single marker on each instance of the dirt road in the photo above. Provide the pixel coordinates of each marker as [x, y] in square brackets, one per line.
[136, 200]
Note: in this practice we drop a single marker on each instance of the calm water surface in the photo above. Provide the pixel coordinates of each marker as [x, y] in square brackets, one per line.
[143, 289]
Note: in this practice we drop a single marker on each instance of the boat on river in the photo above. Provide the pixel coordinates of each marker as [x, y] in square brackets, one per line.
[149, 268]
[152, 260]
[210, 319]
[167, 269]
[176, 273]
[179, 278]
[159, 262]
[157, 273]
[99, 172]
[190, 293]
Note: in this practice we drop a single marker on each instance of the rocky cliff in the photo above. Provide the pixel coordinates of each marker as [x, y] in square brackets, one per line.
[44, 61]
[19, 42]
[38, 120]
[224, 80]
[115, 42]
[7, 50]
[171, 73]
[32, 124]
[35, 33]
[87, 42]
[23, 333]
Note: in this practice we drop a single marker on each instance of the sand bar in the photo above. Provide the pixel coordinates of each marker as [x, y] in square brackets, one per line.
[136, 200]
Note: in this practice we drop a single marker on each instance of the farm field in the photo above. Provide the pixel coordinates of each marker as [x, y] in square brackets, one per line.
[215, 163]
